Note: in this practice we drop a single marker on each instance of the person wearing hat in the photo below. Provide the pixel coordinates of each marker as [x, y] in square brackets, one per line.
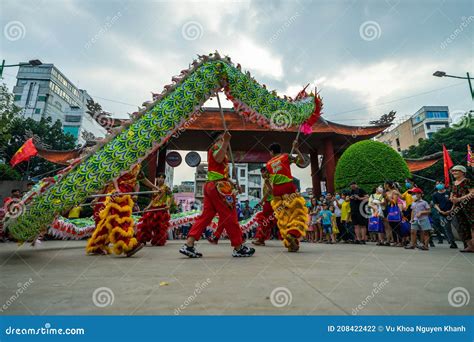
[420, 220]
[462, 196]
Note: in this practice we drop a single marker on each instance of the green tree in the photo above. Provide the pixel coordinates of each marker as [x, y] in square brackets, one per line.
[8, 111]
[15, 130]
[369, 163]
[455, 140]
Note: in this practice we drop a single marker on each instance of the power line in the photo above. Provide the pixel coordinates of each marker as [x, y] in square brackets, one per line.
[124, 103]
[332, 115]
[400, 99]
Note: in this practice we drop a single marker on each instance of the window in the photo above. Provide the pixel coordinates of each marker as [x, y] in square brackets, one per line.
[30, 92]
[72, 130]
[437, 115]
[17, 98]
[56, 89]
[418, 130]
[73, 118]
[242, 173]
[37, 110]
[243, 189]
[41, 98]
[418, 118]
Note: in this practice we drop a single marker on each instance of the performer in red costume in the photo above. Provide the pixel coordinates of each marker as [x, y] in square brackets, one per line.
[288, 205]
[219, 198]
[155, 221]
[265, 218]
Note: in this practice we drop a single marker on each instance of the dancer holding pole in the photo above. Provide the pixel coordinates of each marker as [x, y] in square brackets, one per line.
[288, 205]
[219, 198]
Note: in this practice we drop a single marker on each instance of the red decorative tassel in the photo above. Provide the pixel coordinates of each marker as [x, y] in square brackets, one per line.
[306, 128]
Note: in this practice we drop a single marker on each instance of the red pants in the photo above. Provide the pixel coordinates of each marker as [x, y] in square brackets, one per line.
[214, 204]
[266, 221]
[154, 226]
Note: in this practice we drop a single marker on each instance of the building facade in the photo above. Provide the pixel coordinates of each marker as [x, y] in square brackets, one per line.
[421, 125]
[43, 91]
[249, 176]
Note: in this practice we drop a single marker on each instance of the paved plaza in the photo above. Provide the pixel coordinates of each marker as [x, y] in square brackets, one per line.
[57, 278]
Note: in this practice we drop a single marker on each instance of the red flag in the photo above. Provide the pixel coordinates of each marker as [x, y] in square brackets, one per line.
[25, 152]
[448, 164]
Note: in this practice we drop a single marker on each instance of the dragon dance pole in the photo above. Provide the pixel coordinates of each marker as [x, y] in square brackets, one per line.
[148, 210]
[297, 137]
[234, 171]
[125, 193]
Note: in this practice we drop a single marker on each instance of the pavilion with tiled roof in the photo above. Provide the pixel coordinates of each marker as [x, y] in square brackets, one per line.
[250, 142]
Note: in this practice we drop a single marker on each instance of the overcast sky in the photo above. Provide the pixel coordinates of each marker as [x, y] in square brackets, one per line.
[366, 57]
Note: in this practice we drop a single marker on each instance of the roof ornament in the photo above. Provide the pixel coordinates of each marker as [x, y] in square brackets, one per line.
[385, 119]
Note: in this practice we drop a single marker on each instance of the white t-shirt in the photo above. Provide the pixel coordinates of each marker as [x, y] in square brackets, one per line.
[337, 210]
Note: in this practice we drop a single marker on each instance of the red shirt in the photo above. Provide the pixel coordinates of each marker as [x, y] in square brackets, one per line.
[215, 170]
[279, 169]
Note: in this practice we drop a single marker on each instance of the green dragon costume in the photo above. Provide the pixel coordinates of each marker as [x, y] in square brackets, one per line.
[154, 124]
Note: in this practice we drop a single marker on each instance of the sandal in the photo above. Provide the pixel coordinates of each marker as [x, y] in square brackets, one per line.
[423, 248]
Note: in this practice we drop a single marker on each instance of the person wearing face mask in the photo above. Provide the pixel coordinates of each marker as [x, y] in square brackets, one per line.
[444, 207]
[407, 197]
[420, 220]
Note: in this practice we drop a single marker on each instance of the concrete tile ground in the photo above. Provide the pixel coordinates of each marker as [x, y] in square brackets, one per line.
[320, 280]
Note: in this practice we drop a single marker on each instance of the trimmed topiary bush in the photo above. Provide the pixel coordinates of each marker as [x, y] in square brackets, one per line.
[369, 163]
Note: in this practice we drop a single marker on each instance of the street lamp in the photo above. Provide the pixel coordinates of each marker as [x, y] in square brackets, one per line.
[32, 62]
[468, 78]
